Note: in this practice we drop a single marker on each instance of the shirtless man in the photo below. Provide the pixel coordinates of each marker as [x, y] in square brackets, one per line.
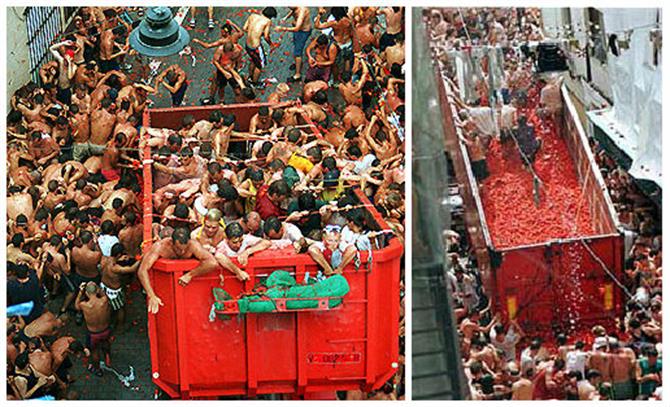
[226, 61]
[108, 46]
[311, 88]
[395, 23]
[261, 122]
[600, 360]
[279, 94]
[258, 27]
[94, 304]
[365, 34]
[61, 349]
[343, 31]
[522, 389]
[114, 267]
[46, 324]
[86, 261]
[395, 54]
[302, 28]
[321, 56]
[54, 263]
[211, 233]
[179, 246]
[43, 148]
[103, 121]
[383, 143]
[622, 371]
[174, 80]
[131, 234]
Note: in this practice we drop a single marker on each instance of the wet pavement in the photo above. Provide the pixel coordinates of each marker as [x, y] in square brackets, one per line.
[198, 66]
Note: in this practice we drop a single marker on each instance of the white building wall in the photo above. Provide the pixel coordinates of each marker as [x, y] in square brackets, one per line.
[18, 56]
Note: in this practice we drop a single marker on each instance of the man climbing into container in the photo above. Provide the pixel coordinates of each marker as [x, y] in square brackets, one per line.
[240, 245]
[212, 232]
[179, 246]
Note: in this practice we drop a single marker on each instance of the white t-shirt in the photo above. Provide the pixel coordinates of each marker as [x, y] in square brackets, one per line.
[364, 164]
[483, 119]
[576, 360]
[291, 235]
[507, 117]
[106, 242]
[508, 344]
[247, 241]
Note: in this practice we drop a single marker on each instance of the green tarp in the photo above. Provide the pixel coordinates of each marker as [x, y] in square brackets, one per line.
[280, 284]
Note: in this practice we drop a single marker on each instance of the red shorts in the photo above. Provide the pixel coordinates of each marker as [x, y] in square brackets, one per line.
[111, 175]
[93, 339]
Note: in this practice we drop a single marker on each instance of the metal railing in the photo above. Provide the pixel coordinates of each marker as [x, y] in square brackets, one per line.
[43, 25]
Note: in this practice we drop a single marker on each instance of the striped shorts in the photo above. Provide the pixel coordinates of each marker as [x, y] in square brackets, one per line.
[116, 296]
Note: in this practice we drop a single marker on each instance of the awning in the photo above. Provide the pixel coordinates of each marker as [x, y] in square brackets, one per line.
[621, 144]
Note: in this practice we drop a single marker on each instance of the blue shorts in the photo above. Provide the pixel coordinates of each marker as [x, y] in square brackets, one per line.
[299, 40]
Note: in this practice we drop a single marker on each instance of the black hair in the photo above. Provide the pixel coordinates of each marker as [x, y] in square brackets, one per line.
[85, 236]
[18, 240]
[279, 187]
[306, 201]
[117, 250]
[322, 39]
[270, 12]
[21, 219]
[174, 139]
[249, 93]
[263, 111]
[234, 230]
[181, 211]
[130, 217]
[255, 174]
[265, 148]
[55, 240]
[272, 224]
[592, 373]
[277, 114]
[315, 152]
[107, 227]
[106, 102]
[227, 191]
[117, 203]
[181, 235]
[329, 163]
[228, 119]
[354, 151]
[320, 97]
[293, 135]
[338, 12]
[215, 116]
[186, 152]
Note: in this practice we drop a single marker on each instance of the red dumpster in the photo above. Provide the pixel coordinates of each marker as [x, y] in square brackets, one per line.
[565, 284]
[351, 346]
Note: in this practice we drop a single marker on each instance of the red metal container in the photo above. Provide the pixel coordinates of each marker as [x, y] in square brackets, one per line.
[561, 284]
[352, 346]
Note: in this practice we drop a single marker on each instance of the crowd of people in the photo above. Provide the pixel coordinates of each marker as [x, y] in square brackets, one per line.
[501, 361]
[75, 144]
